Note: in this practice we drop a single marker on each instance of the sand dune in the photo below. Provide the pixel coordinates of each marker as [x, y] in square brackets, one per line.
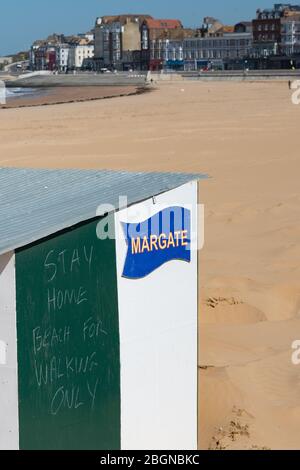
[245, 135]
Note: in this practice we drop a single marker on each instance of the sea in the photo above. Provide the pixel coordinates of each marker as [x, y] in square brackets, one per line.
[13, 93]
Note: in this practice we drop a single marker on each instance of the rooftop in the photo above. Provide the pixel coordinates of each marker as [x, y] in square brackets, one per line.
[36, 203]
[122, 18]
[226, 29]
[163, 24]
[244, 23]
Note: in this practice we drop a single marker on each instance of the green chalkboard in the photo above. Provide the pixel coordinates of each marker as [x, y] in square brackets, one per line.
[68, 342]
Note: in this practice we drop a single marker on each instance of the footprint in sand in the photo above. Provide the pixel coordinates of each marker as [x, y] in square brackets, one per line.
[219, 309]
[235, 434]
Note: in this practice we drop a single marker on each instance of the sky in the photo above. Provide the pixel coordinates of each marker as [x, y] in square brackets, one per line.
[24, 21]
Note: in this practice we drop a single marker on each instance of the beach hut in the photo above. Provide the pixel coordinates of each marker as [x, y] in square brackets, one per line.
[98, 310]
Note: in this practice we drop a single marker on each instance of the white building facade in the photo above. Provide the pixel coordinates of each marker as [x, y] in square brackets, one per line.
[227, 47]
[290, 35]
[63, 57]
[78, 54]
[167, 49]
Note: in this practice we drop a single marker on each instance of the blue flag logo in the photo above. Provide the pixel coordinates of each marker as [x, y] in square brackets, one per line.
[164, 237]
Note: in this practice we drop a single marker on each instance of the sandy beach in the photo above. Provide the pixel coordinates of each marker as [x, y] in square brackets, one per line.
[245, 136]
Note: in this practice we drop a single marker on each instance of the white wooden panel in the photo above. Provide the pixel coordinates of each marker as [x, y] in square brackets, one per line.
[9, 431]
[158, 339]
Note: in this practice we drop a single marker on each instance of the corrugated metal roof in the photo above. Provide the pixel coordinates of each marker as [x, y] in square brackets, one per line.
[35, 203]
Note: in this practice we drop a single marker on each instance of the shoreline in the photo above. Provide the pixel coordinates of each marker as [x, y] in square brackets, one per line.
[67, 95]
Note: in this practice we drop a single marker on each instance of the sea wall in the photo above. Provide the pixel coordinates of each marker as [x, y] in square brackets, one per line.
[78, 80]
[255, 75]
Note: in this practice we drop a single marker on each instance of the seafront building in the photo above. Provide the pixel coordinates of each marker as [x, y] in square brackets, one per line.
[276, 31]
[43, 53]
[162, 42]
[244, 27]
[80, 54]
[143, 43]
[198, 52]
[137, 42]
[172, 53]
[118, 42]
[43, 57]
[140, 42]
[62, 56]
[290, 35]
[62, 53]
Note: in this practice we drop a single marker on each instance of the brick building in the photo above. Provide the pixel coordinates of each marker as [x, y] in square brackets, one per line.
[268, 29]
[156, 35]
